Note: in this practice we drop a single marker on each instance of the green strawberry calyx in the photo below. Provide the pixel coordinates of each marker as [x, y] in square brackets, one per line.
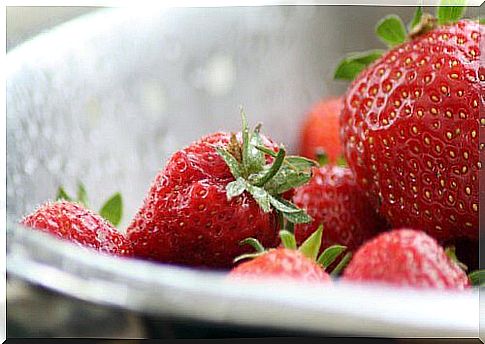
[476, 277]
[111, 210]
[392, 32]
[309, 248]
[265, 182]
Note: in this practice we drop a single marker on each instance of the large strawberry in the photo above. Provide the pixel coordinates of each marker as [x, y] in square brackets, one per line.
[406, 257]
[333, 198]
[320, 136]
[410, 123]
[289, 262]
[71, 221]
[213, 194]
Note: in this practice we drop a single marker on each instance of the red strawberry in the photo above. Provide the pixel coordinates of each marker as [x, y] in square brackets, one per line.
[410, 130]
[405, 257]
[288, 262]
[333, 198]
[282, 263]
[320, 134]
[71, 221]
[214, 193]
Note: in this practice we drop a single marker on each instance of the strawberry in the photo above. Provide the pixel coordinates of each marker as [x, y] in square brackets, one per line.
[405, 257]
[333, 198]
[410, 121]
[288, 262]
[320, 134]
[213, 194]
[71, 221]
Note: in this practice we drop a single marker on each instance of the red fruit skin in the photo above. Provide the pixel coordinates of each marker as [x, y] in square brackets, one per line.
[186, 218]
[321, 132]
[405, 257]
[281, 263]
[71, 221]
[409, 129]
[333, 198]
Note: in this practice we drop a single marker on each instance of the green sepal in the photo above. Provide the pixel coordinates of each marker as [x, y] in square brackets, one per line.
[450, 251]
[288, 239]
[311, 246]
[272, 170]
[235, 188]
[300, 163]
[261, 196]
[322, 158]
[254, 243]
[82, 195]
[62, 195]
[477, 278]
[295, 217]
[284, 207]
[248, 256]
[231, 162]
[391, 30]
[418, 14]
[352, 65]
[112, 210]
[450, 11]
[266, 150]
[294, 172]
[255, 156]
[330, 254]
[341, 161]
[341, 265]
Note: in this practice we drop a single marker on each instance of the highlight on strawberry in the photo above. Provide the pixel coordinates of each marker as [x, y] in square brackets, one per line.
[289, 262]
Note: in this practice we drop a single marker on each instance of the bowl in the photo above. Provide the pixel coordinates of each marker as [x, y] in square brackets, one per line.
[106, 98]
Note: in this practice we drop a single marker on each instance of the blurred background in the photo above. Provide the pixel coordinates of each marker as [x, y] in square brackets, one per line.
[24, 22]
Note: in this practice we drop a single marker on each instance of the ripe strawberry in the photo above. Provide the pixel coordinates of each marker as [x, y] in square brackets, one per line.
[405, 257]
[288, 262]
[71, 221]
[282, 263]
[410, 124]
[320, 133]
[333, 198]
[214, 193]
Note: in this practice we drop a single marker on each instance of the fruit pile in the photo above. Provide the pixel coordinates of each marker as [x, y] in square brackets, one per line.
[386, 189]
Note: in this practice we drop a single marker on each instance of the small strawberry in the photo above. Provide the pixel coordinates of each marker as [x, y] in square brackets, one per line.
[333, 198]
[73, 222]
[213, 194]
[406, 257]
[288, 262]
[410, 123]
[320, 136]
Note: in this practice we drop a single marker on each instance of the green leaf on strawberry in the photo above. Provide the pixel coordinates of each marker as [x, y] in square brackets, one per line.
[112, 210]
[309, 248]
[82, 195]
[62, 195]
[391, 30]
[352, 65]
[477, 278]
[450, 11]
[330, 254]
[265, 181]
